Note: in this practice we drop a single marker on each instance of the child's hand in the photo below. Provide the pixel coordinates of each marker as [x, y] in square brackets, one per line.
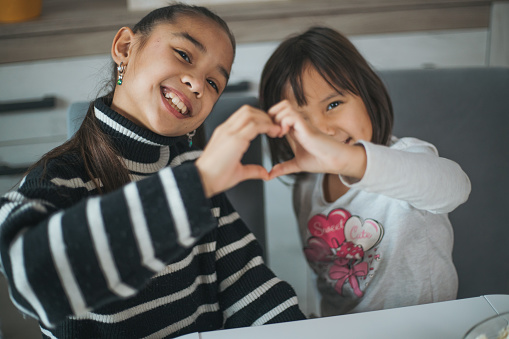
[314, 151]
[220, 164]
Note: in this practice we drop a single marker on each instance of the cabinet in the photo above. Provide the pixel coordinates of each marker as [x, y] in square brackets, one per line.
[68, 28]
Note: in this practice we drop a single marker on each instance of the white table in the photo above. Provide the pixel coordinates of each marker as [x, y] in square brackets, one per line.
[449, 319]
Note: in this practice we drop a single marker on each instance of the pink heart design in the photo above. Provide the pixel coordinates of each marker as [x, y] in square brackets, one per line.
[317, 250]
[367, 234]
[330, 228]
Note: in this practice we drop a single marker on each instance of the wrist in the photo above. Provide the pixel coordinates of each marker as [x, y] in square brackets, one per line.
[207, 189]
[362, 160]
[355, 167]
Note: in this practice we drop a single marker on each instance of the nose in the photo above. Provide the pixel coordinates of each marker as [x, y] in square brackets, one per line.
[194, 83]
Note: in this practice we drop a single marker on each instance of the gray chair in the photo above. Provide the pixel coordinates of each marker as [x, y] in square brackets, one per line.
[465, 113]
[75, 115]
[247, 197]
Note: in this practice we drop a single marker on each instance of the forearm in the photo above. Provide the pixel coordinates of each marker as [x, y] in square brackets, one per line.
[250, 293]
[421, 178]
[350, 162]
[103, 248]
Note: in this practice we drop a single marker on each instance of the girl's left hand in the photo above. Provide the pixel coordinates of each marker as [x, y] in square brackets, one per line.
[314, 151]
[220, 164]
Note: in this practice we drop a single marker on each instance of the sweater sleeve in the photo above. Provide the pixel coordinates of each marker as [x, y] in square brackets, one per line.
[67, 261]
[412, 171]
[249, 292]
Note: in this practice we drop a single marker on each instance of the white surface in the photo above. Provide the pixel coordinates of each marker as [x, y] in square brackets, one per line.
[451, 319]
[499, 302]
[190, 336]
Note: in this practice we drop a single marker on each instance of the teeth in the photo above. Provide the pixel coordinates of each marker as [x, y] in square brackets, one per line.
[173, 99]
[182, 107]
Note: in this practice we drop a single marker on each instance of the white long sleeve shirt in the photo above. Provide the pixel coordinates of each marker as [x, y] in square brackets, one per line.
[388, 241]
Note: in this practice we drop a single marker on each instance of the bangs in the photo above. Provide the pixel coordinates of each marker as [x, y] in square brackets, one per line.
[335, 73]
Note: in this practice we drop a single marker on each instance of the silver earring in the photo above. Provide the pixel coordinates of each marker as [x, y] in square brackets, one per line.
[121, 69]
[190, 136]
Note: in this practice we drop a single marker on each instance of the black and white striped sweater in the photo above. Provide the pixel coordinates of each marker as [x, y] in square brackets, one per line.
[154, 259]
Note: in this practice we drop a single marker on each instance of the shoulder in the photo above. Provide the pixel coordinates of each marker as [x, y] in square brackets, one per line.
[61, 180]
[303, 182]
[67, 166]
[303, 188]
[410, 144]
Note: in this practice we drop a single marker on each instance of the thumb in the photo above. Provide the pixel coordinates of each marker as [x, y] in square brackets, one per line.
[253, 171]
[284, 168]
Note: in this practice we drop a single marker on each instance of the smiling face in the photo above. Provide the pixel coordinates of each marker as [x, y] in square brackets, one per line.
[175, 76]
[341, 115]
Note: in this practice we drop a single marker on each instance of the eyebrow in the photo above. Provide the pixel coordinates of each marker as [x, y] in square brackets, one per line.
[202, 48]
[330, 96]
[190, 38]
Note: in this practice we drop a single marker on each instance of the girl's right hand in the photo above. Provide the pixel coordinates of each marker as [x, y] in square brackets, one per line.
[314, 150]
[220, 164]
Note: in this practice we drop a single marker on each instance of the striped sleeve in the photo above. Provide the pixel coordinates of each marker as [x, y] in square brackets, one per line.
[67, 261]
[250, 293]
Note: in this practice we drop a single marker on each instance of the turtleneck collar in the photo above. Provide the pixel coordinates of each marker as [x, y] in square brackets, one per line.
[143, 151]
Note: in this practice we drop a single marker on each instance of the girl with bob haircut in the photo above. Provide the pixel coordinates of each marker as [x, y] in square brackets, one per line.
[372, 209]
[123, 231]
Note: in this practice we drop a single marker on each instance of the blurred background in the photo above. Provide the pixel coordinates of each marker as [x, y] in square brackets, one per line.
[56, 52]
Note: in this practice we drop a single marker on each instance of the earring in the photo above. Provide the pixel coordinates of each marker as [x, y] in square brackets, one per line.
[190, 136]
[121, 69]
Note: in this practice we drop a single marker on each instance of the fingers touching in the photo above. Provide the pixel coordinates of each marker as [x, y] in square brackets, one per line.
[220, 164]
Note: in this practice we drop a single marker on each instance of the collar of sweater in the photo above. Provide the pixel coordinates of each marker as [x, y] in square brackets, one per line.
[143, 151]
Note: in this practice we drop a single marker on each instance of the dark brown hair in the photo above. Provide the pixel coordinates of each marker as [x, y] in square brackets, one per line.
[100, 157]
[338, 61]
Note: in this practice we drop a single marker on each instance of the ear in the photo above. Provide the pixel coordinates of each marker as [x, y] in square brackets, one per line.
[121, 46]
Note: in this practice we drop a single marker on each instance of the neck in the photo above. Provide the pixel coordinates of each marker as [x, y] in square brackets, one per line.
[333, 187]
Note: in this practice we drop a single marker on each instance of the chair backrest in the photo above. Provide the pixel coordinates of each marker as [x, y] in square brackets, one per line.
[247, 197]
[75, 115]
[465, 114]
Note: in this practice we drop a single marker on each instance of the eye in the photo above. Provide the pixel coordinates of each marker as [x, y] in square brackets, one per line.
[214, 86]
[333, 105]
[183, 55]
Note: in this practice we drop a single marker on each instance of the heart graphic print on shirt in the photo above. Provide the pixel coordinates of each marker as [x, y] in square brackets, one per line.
[338, 246]
[330, 228]
[366, 234]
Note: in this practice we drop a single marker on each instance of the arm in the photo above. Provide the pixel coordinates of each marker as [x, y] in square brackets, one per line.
[411, 170]
[62, 262]
[249, 292]
[314, 151]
